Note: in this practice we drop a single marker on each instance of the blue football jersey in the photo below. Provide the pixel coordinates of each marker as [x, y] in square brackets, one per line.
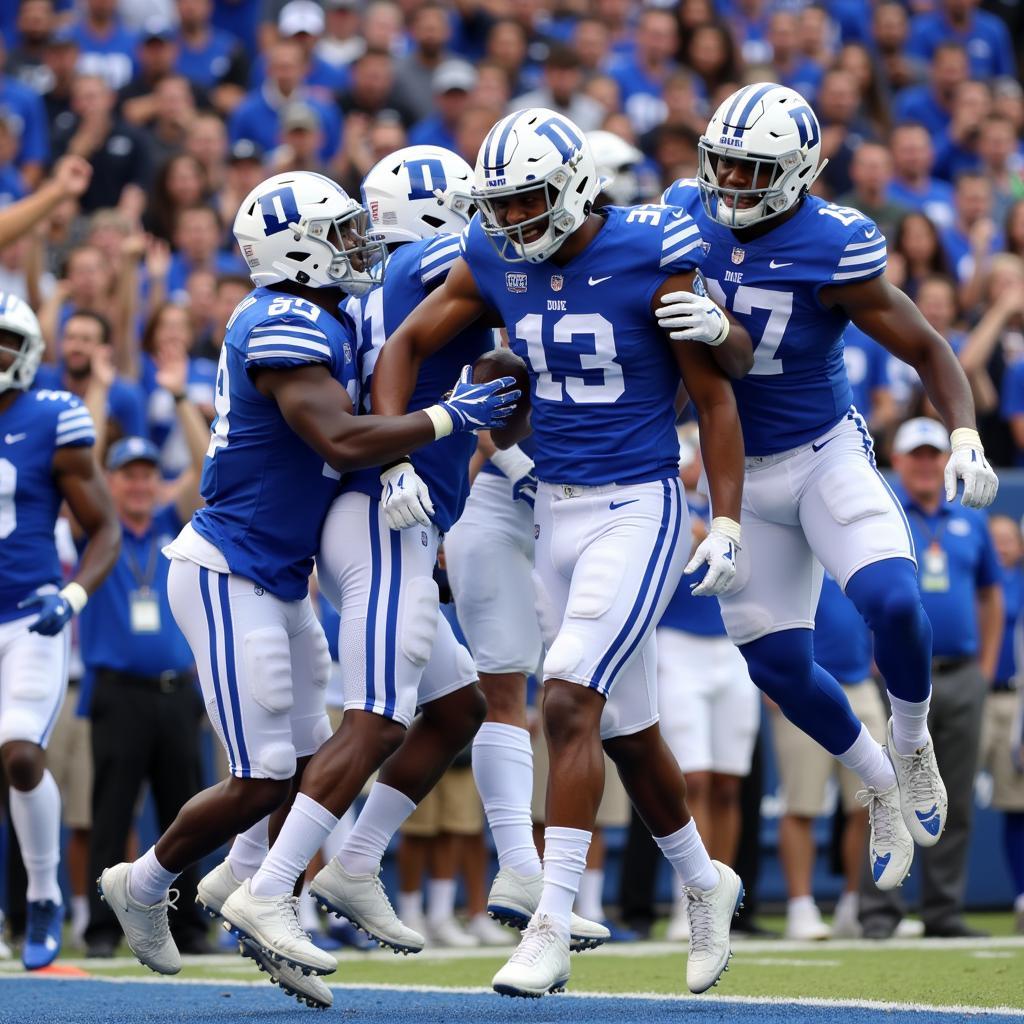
[31, 430]
[267, 492]
[797, 388]
[413, 271]
[603, 379]
[867, 366]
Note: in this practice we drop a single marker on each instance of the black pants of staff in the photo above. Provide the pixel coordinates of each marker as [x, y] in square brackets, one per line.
[143, 730]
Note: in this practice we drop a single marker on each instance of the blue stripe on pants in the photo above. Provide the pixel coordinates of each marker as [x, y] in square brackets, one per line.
[635, 612]
[204, 589]
[371, 608]
[390, 689]
[66, 636]
[229, 665]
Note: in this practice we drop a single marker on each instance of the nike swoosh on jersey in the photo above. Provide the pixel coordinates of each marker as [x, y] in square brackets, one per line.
[818, 447]
[778, 266]
[613, 505]
[598, 280]
[14, 438]
[869, 234]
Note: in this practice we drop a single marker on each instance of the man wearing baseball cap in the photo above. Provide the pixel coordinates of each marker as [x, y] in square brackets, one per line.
[140, 684]
[962, 596]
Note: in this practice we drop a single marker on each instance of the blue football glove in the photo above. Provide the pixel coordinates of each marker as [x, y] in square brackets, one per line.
[518, 467]
[55, 613]
[480, 406]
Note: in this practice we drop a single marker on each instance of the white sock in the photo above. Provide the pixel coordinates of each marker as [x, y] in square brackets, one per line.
[440, 900]
[410, 905]
[909, 723]
[684, 850]
[589, 900]
[307, 826]
[868, 760]
[149, 881]
[382, 815]
[336, 840]
[308, 916]
[798, 903]
[565, 860]
[248, 850]
[35, 814]
[79, 914]
[503, 771]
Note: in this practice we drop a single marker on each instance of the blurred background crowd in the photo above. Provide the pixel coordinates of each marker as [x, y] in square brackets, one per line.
[182, 106]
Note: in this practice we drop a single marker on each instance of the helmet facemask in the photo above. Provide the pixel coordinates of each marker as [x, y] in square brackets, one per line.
[356, 258]
[21, 371]
[556, 222]
[770, 199]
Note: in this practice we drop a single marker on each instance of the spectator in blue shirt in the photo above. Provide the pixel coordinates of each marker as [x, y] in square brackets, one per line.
[1003, 731]
[890, 30]
[106, 48]
[791, 67]
[956, 149]
[86, 371]
[931, 103]
[12, 184]
[973, 237]
[959, 576]
[140, 684]
[23, 109]
[256, 117]
[210, 57]
[197, 243]
[982, 35]
[642, 74]
[453, 82]
[867, 370]
[912, 185]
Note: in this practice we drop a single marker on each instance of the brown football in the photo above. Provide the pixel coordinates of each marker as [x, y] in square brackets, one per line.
[501, 362]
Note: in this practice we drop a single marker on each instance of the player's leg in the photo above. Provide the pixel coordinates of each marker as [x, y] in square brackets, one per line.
[239, 638]
[489, 555]
[859, 532]
[33, 681]
[451, 712]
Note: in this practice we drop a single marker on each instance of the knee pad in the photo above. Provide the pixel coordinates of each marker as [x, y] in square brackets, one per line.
[322, 731]
[564, 656]
[595, 587]
[20, 724]
[886, 593]
[33, 681]
[268, 668]
[320, 659]
[277, 760]
[418, 621]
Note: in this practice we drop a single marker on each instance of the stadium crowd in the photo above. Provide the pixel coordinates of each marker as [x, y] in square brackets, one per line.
[181, 107]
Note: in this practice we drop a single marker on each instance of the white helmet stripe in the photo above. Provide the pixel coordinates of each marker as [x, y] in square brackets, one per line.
[753, 95]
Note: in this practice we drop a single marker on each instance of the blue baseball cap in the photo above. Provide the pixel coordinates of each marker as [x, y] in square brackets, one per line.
[132, 449]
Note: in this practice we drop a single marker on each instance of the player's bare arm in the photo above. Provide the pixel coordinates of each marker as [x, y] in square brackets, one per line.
[449, 309]
[81, 483]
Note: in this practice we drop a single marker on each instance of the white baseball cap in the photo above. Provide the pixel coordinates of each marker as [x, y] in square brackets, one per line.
[300, 16]
[921, 432]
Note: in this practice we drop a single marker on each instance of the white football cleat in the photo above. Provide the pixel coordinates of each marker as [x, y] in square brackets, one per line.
[514, 899]
[449, 934]
[804, 923]
[845, 920]
[272, 923]
[922, 792]
[539, 965]
[711, 912]
[363, 900]
[489, 932]
[891, 849]
[145, 928]
[211, 893]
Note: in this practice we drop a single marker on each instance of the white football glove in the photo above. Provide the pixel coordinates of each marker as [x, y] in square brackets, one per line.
[717, 550]
[404, 497]
[518, 467]
[690, 317]
[967, 462]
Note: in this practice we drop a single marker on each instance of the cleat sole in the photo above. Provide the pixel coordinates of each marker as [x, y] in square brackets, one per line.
[395, 947]
[513, 918]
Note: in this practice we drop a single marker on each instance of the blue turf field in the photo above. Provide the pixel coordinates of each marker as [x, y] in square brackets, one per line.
[98, 1002]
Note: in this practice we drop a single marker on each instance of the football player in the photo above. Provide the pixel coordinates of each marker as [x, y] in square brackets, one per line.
[795, 270]
[576, 291]
[284, 433]
[46, 458]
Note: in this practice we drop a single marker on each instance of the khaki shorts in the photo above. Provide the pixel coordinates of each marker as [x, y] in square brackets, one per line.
[996, 739]
[805, 767]
[452, 806]
[614, 808]
[69, 758]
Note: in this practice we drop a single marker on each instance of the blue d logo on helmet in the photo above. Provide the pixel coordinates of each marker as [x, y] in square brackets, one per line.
[425, 176]
[279, 210]
[530, 151]
[773, 130]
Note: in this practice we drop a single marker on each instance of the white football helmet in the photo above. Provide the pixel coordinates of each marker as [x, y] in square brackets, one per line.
[418, 192]
[528, 150]
[616, 161]
[775, 129]
[17, 317]
[304, 227]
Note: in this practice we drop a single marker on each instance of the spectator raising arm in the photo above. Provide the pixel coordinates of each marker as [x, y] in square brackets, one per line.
[71, 178]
